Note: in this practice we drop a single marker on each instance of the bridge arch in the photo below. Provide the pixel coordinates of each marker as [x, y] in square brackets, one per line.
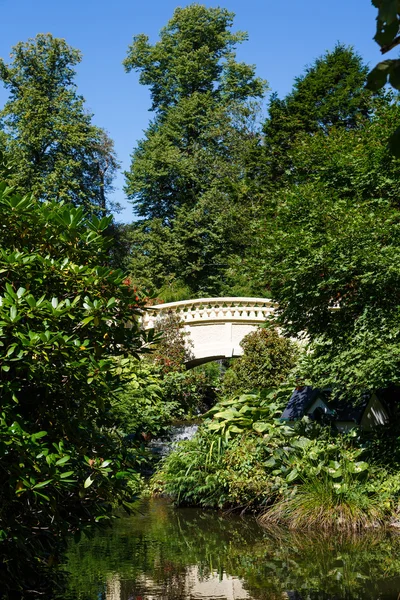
[216, 326]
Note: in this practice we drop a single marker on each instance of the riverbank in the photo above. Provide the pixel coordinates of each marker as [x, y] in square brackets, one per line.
[307, 476]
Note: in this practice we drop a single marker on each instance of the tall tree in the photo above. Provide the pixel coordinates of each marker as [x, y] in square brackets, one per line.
[195, 54]
[330, 252]
[334, 271]
[328, 129]
[198, 147]
[330, 93]
[355, 163]
[53, 149]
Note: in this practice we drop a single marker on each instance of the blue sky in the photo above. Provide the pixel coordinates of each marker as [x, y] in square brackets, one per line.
[284, 36]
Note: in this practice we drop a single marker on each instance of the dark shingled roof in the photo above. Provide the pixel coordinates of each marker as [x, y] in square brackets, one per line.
[345, 411]
[299, 401]
[302, 398]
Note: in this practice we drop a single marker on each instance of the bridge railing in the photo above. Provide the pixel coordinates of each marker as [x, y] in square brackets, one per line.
[251, 310]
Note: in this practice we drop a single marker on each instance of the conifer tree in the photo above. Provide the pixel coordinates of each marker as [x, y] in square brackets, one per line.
[330, 93]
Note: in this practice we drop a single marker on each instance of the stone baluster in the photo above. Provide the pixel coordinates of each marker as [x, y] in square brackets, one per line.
[218, 309]
[252, 312]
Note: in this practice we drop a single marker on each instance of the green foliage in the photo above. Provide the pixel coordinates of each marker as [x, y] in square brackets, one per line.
[330, 94]
[174, 291]
[150, 399]
[249, 412]
[266, 362]
[328, 131]
[334, 274]
[53, 149]
[190, 176]
[356, 163]
[157, 392]
[194, 390]
[173, 347]
[62, 320]
[188, 160]
[196, 53]
[306, 476]
[143, 408]
[328, 241]
[223, 465]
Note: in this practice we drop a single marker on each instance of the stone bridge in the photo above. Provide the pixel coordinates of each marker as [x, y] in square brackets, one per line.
[216, 326]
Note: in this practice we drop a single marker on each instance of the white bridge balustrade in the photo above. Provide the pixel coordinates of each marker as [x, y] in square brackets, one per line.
[216, 326]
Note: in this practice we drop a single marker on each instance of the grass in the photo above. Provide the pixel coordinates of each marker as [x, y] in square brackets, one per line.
[324, 504]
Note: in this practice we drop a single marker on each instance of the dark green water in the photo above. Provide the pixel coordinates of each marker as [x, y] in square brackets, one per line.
[164, 553]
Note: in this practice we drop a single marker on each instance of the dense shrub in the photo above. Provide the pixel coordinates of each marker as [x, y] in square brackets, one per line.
[173, 347]
[150, 401]
[194, 390]
[306, 476]
[141, 407]
[222, 465]
[62, 319]
[266, 362]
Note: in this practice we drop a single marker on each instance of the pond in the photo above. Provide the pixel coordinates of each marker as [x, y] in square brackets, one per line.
[164, 553]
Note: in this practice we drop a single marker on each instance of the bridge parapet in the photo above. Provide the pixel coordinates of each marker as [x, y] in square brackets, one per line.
[228, 310]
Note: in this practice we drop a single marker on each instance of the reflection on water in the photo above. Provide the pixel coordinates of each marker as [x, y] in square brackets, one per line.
[164, 553]
[193, 584]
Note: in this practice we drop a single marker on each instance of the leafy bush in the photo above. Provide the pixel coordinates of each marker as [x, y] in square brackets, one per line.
[173, 346]
[141, 407]
[249, 412]
[190, 473]
[174, 290]
[305, 476]
[62, 319]
[194, 390]
[219, 467]
[150, 401]
[266, 362]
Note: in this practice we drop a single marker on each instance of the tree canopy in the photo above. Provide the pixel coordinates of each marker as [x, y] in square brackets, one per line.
[195, 152]
[330, 93]
[195, 55]
[52, 147]
[330, 252]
